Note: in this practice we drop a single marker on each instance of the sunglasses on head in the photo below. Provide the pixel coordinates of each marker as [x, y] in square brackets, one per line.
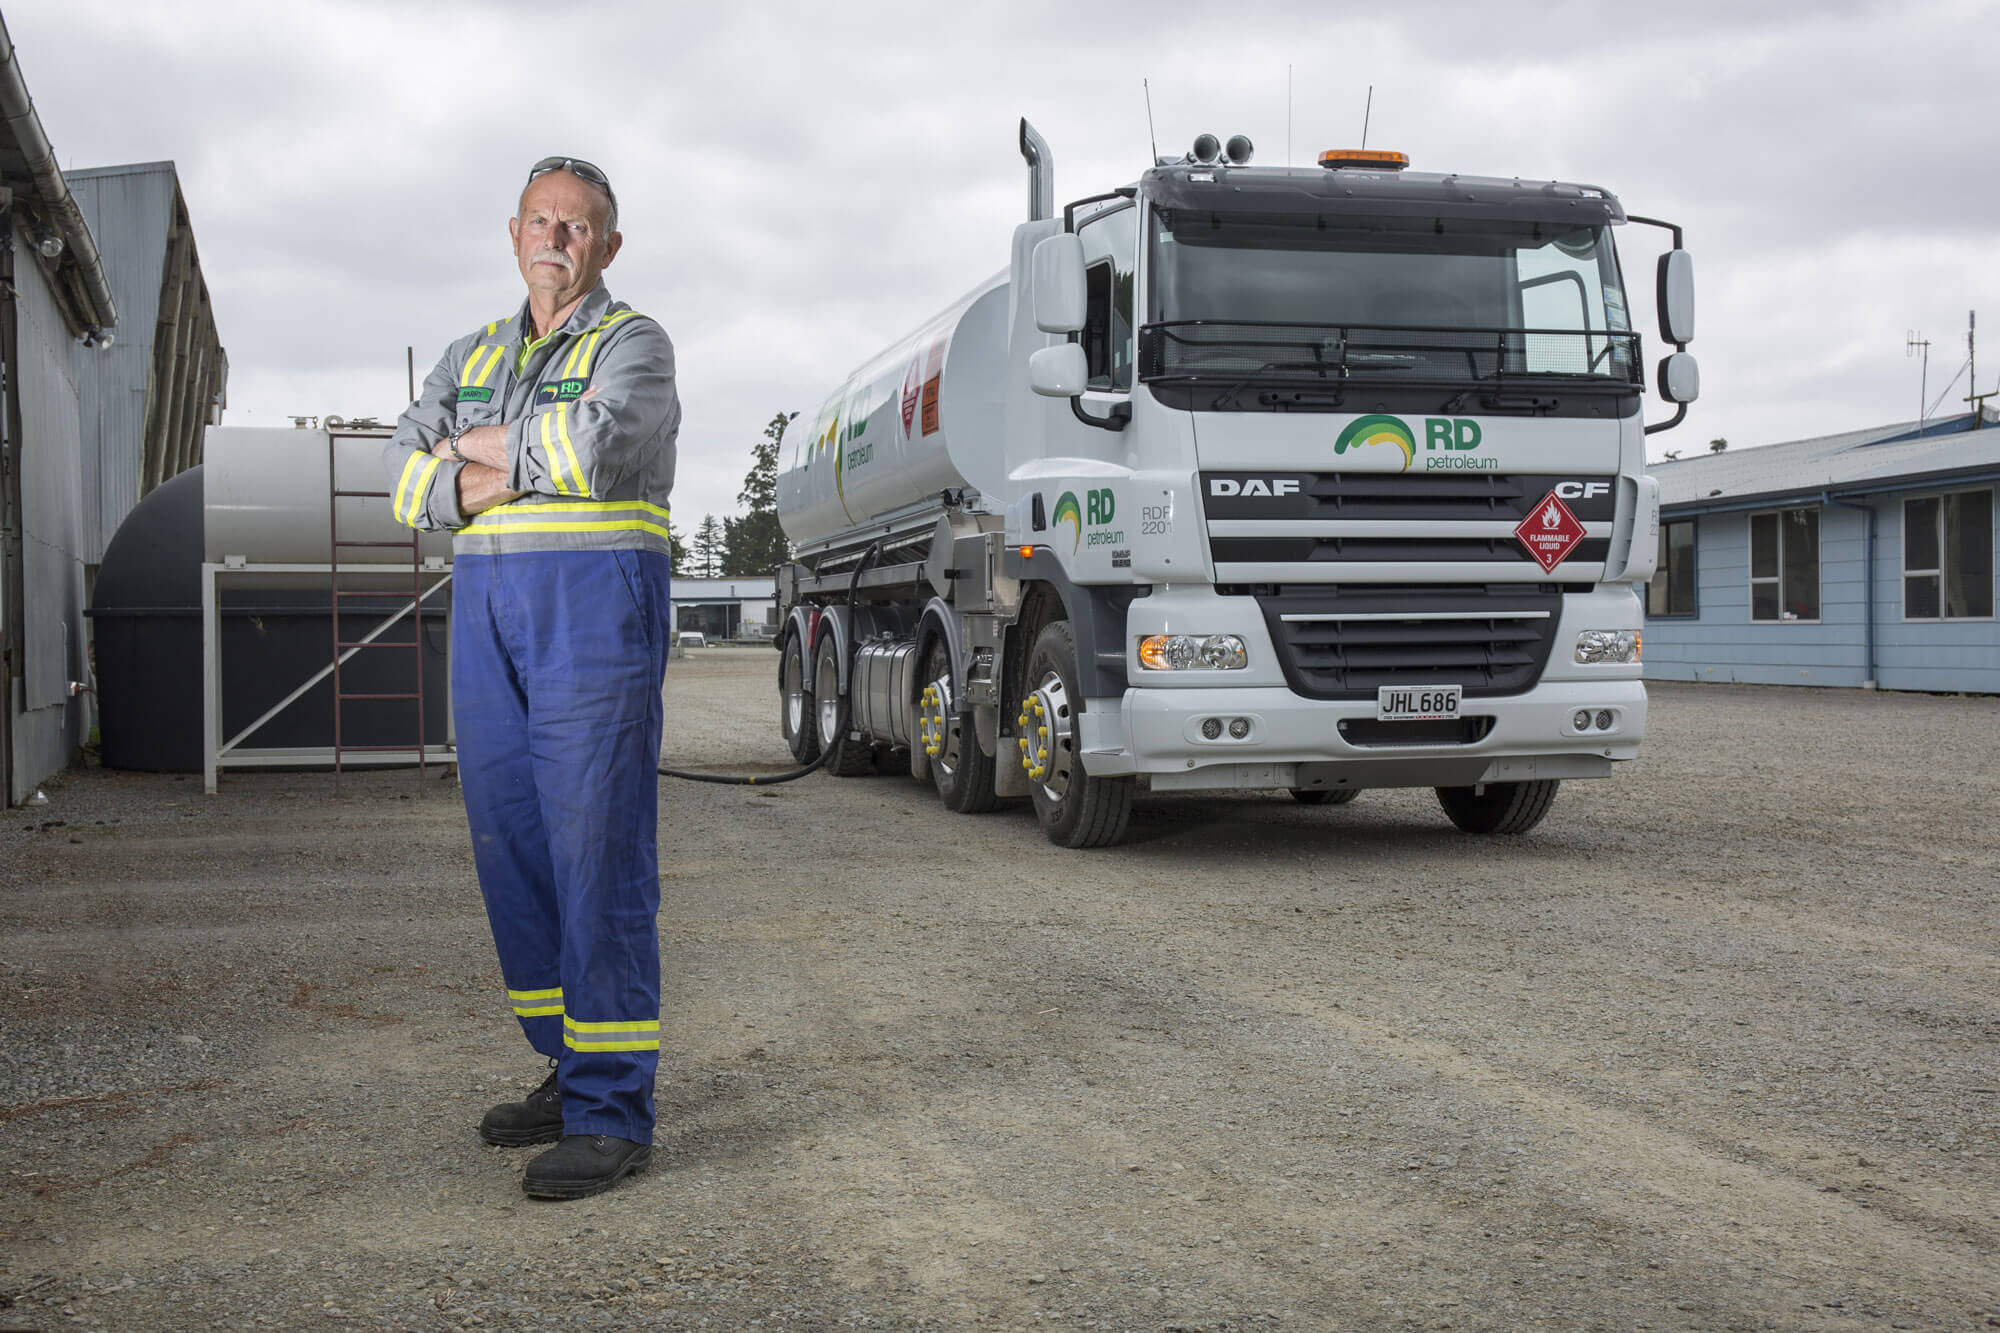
[588, 172]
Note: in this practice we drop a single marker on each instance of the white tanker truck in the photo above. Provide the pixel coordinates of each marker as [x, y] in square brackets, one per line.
[1312, 480]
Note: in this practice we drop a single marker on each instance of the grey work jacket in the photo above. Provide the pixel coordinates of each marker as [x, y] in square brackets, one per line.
[595, 475]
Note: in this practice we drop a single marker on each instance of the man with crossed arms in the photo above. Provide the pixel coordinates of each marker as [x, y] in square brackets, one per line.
[545, 441]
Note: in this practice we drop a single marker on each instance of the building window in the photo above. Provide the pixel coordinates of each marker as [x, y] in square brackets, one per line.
[1671, 593]
[1948, 557]
[1784, 565]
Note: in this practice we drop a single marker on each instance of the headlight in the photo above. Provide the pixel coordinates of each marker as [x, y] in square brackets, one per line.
[1607, 645]
[1192, 652]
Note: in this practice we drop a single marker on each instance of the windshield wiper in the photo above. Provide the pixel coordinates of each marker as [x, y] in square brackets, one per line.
[1380, 361]
[1229, 394]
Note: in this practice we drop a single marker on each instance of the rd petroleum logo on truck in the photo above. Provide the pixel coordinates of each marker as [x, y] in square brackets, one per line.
[1449, 442]
[1101, 506]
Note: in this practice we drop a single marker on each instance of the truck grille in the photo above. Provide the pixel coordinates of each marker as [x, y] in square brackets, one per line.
[1346, 643]
[1324, 550]
[1271, 525]
[1396, 496]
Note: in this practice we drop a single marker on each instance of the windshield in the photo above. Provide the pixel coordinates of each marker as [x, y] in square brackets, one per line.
[1281, 296]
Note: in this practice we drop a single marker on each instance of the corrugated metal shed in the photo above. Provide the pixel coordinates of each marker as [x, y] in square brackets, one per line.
[147, 398]
[46, 374]
[55, 293]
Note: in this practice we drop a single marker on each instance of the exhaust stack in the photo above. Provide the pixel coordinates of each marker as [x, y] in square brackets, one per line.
[1041, 173]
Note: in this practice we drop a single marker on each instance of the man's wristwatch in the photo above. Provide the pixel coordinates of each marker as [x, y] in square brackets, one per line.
[452, 444]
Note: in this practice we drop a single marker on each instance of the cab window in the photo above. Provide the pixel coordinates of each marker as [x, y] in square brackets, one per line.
[1110, 258]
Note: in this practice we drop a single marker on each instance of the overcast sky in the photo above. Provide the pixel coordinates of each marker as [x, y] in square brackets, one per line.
[802, 183]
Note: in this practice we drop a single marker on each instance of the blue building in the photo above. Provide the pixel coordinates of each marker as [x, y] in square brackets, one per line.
[1864, 559]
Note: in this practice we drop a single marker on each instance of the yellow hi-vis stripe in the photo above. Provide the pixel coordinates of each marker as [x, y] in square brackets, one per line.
[562, 431]
[635, 1035]
[515, 517]
[403, 486]
[537, 1003]
[420, 493]
[491, 362]
[520, 509]
[466, 377]
[586, 348]
[549, 452]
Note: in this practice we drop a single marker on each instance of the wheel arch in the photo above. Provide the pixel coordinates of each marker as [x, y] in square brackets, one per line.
[940, 621]
[825, 622]
[1096, 613]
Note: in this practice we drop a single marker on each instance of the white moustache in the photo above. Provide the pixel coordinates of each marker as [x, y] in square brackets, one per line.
[552, 257]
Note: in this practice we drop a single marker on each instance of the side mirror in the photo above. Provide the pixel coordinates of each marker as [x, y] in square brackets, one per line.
[1680, 378]
[1676, 298]
[1056, 283]
[1059, 371]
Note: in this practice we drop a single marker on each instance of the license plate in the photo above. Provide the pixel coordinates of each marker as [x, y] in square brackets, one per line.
[1420, 703]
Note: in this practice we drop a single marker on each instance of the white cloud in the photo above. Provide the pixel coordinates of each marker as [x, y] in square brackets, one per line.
[802, 182]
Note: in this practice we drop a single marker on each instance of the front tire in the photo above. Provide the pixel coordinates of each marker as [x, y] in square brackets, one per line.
[1074, 808]
[850, 758]
[795, 701]
[961, 771]
[1498, 807]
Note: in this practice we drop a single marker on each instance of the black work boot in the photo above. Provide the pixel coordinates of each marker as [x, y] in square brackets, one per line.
[538, 1119]
[584, 1164]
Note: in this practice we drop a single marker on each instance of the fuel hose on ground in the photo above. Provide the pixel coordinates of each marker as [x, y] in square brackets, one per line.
[826, 751]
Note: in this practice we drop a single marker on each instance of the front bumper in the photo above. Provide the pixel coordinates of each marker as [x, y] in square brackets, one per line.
[1297, 742]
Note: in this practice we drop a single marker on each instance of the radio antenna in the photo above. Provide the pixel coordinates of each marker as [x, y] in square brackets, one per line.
[1366, 112]
[1151, 138]
[1915, 344]
[1288, 115]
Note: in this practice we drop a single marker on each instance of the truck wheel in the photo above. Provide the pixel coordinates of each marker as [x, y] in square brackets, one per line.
[795, 702]
[1074, 808]
[1499, 807]
[961, 771]
[1324, 795]
[850, 758]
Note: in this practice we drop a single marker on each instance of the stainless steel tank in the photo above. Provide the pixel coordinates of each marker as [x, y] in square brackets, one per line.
[268, 500]
[921, 417]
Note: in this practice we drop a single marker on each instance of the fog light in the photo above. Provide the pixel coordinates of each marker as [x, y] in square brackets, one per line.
[1211, 728]
[1582, 720]
[1604, 720]
[1239, 727]
[1607, 645]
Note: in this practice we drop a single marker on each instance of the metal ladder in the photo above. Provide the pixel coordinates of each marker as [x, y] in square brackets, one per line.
[343, 648]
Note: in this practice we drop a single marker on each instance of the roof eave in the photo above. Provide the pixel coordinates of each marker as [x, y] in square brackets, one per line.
[1846, 490]
[80, 261]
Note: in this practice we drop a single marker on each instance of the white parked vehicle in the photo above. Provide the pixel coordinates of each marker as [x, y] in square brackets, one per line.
[1312, 480]
[692, 638]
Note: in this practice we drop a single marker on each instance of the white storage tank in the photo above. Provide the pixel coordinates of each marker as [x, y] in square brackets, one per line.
[267, 500]
[922, 417]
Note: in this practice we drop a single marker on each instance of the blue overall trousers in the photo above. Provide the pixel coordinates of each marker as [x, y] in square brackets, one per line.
[556, 667]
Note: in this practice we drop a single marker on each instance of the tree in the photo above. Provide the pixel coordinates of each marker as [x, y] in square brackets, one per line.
[1717, 445]
[705, 553]
[677, 550]
[754, 544]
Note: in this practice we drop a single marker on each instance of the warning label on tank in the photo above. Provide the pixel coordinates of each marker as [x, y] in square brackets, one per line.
[913, 385]
[1550, 533]
[933, 372]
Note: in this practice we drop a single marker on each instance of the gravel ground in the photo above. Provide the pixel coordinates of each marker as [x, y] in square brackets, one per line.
[1716, 1047]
